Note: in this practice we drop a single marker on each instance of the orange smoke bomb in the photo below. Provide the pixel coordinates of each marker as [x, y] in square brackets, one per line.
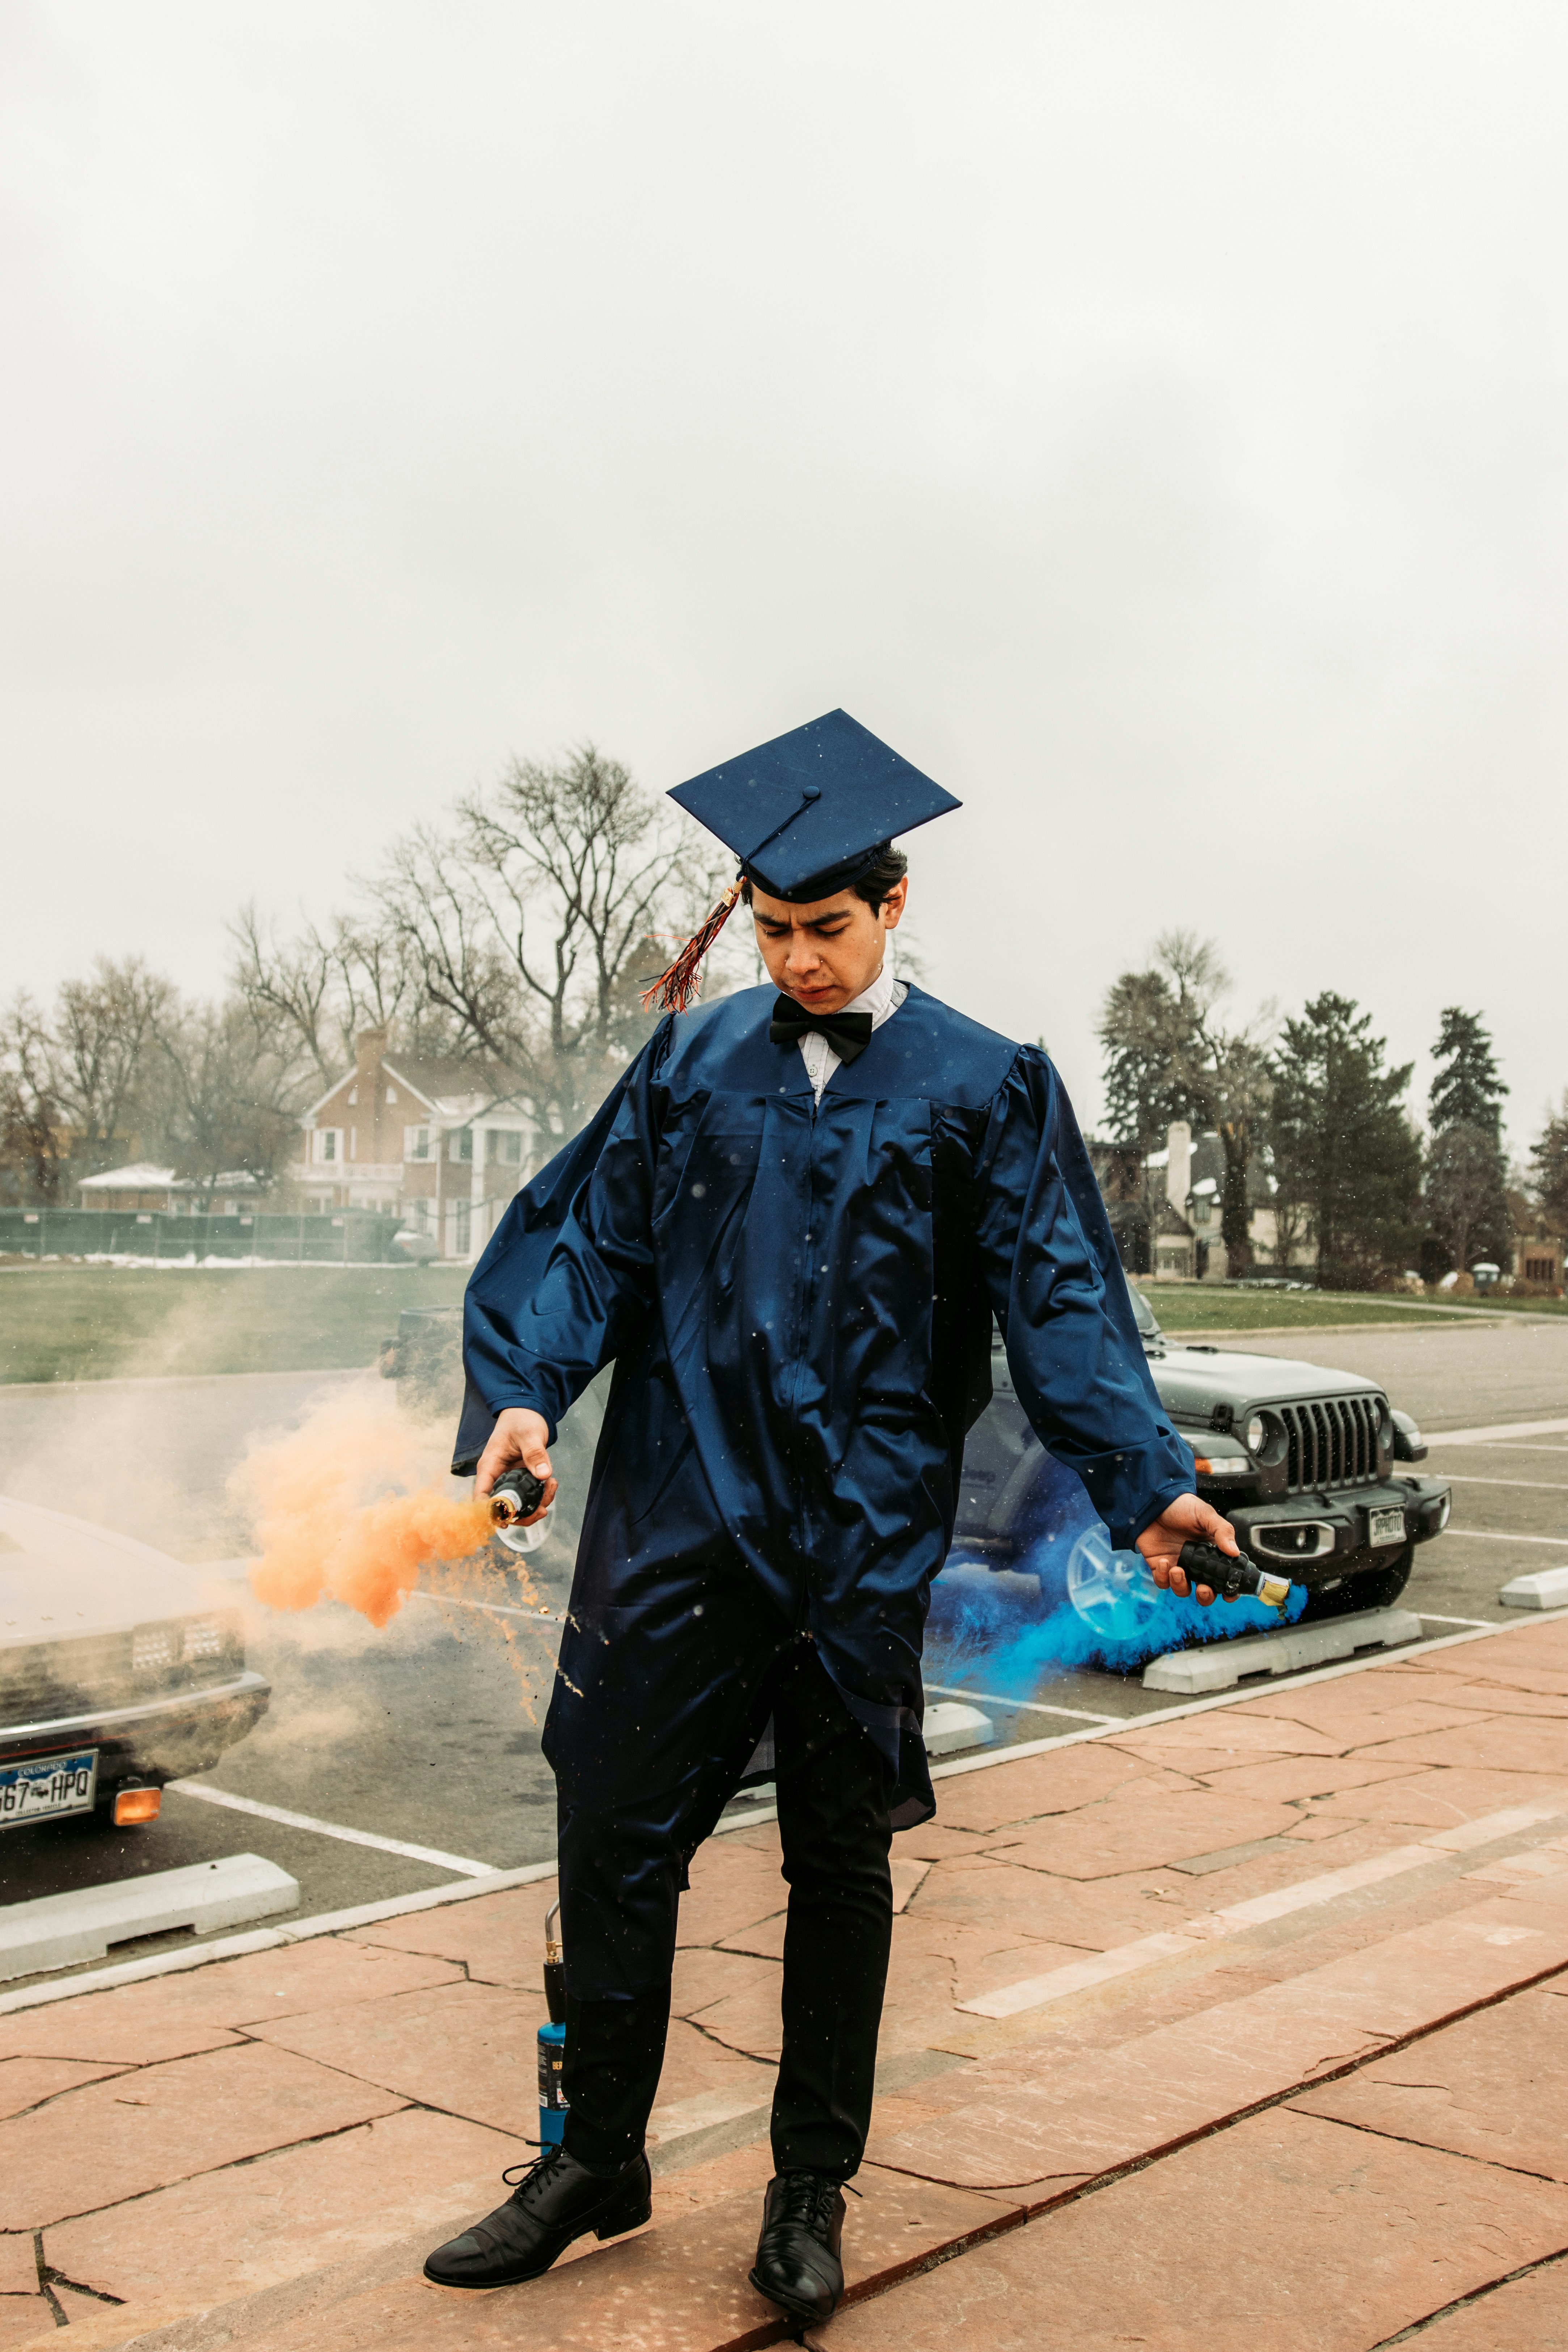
[315, 1534]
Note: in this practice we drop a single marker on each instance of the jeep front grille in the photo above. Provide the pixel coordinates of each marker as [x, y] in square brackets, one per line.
[1331, 1442]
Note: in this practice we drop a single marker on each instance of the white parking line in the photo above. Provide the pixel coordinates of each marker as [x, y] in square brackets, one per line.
[1541, 1485]
[459, 1863]
[1491, 1535]
[1019, 1705]
[1034, 1992]
[1497, 1433]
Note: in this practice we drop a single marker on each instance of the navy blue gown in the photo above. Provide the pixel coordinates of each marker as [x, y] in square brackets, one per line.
[797, 1300]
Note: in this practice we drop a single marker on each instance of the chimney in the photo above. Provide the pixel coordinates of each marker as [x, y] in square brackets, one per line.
[370, 1045]
[1179, 1167]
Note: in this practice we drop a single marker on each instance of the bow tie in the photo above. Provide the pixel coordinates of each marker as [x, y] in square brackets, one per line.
[849, 1034]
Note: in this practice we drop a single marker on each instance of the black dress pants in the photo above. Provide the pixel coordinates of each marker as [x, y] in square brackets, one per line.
[834, 1792]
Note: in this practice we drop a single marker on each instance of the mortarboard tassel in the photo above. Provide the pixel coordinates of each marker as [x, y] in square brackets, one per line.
[673, 991]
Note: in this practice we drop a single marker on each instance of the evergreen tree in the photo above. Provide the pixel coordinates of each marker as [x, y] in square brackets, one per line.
[1146, 1036]
[1550, 1154]
[1467, 1090]
[1342, 1146]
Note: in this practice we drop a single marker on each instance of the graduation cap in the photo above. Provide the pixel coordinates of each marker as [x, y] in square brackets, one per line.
[806, 814]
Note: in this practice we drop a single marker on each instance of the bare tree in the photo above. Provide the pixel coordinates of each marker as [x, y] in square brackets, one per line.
[227, 1093]
[516, 939]
[103, 1034]
[288, 983]
[1169, 1055]
[318, 989]
[1466, 1199]
[536, 923]
[35, 1146]
[74, 1083]
[573, 859]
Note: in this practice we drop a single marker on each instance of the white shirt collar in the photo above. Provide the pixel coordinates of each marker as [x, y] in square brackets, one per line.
[884, 996]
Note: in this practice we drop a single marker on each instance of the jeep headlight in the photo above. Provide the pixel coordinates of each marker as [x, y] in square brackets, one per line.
[1256, 1433]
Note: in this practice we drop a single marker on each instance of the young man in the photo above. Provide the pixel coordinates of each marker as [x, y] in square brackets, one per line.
[789, 1227]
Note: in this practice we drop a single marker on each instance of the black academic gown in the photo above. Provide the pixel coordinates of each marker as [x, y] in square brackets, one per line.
[798, 1299]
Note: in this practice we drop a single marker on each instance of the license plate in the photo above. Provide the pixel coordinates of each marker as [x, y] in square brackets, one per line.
[46, 1786]
[1385, 1526]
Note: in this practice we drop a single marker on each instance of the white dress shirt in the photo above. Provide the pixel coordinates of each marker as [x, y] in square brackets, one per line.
[881, 1000]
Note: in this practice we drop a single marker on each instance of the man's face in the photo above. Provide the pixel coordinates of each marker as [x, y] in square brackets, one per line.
[824, 954]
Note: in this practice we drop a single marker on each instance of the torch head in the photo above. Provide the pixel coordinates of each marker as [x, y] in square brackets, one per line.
[516, 1494]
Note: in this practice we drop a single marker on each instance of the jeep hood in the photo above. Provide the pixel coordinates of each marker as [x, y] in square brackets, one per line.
[1192, 1381]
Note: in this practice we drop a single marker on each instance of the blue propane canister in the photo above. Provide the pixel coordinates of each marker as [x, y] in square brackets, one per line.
[552, 2097]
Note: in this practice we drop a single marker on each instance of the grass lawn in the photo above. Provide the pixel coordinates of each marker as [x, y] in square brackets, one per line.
[96, 1322]
[1194, 1306]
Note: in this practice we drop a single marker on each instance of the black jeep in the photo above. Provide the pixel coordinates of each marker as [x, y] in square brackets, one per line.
[1306, 1465]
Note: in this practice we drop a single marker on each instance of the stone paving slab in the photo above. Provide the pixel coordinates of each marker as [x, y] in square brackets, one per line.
[1287, 2232]
[233, 2231]
[466, 2049]
[669, 2290]
[327, 2111]
[206, 2009]
[121, 2138]
[1526, 2314]
[1494, 2087]
[28, 2082]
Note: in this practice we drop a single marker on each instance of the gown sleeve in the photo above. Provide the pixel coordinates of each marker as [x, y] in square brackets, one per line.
[565, 1275]
[1060, 1296]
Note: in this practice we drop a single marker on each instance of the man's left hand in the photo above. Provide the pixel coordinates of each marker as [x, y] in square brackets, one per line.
[1161, 1544]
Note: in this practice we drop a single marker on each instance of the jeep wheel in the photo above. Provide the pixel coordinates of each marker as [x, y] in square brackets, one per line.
[1370, 1588]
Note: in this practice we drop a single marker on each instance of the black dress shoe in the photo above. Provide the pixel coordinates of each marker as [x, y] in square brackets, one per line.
[797, 2254]
[557, 2199]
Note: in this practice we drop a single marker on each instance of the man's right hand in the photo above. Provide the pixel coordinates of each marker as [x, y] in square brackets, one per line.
[518, 1435]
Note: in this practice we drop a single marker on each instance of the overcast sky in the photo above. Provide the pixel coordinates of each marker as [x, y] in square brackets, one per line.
[1152, 419]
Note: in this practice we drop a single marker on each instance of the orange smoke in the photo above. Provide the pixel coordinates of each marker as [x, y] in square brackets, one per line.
[325, 1524]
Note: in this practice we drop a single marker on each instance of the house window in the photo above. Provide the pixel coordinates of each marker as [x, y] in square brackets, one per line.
[327, 1143]
[462, 1144]
[1202, 1212]
[354, 1097]
[461, 1223]
[391, 1094]
[504, 1147]
[417, 1143]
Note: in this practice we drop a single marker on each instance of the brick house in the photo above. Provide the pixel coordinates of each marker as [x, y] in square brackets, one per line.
[1536, 1257]
[1166, 1211]
[443, 1145]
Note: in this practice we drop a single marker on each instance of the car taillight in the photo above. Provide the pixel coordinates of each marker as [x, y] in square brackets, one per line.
[204, 1638]
[154, 1646]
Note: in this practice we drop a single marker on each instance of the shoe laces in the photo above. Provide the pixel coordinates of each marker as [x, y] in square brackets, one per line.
[530, 2176]
[807, 2199]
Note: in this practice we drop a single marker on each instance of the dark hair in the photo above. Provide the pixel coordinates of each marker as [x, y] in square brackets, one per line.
[888, 867]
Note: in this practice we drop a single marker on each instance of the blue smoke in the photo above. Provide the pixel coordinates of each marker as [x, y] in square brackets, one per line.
[1066, 1601]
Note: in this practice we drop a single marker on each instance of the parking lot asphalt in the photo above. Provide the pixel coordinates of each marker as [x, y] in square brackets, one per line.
[427, 1734]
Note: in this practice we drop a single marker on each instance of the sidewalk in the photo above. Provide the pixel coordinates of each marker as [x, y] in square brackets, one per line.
[1245, 2029]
